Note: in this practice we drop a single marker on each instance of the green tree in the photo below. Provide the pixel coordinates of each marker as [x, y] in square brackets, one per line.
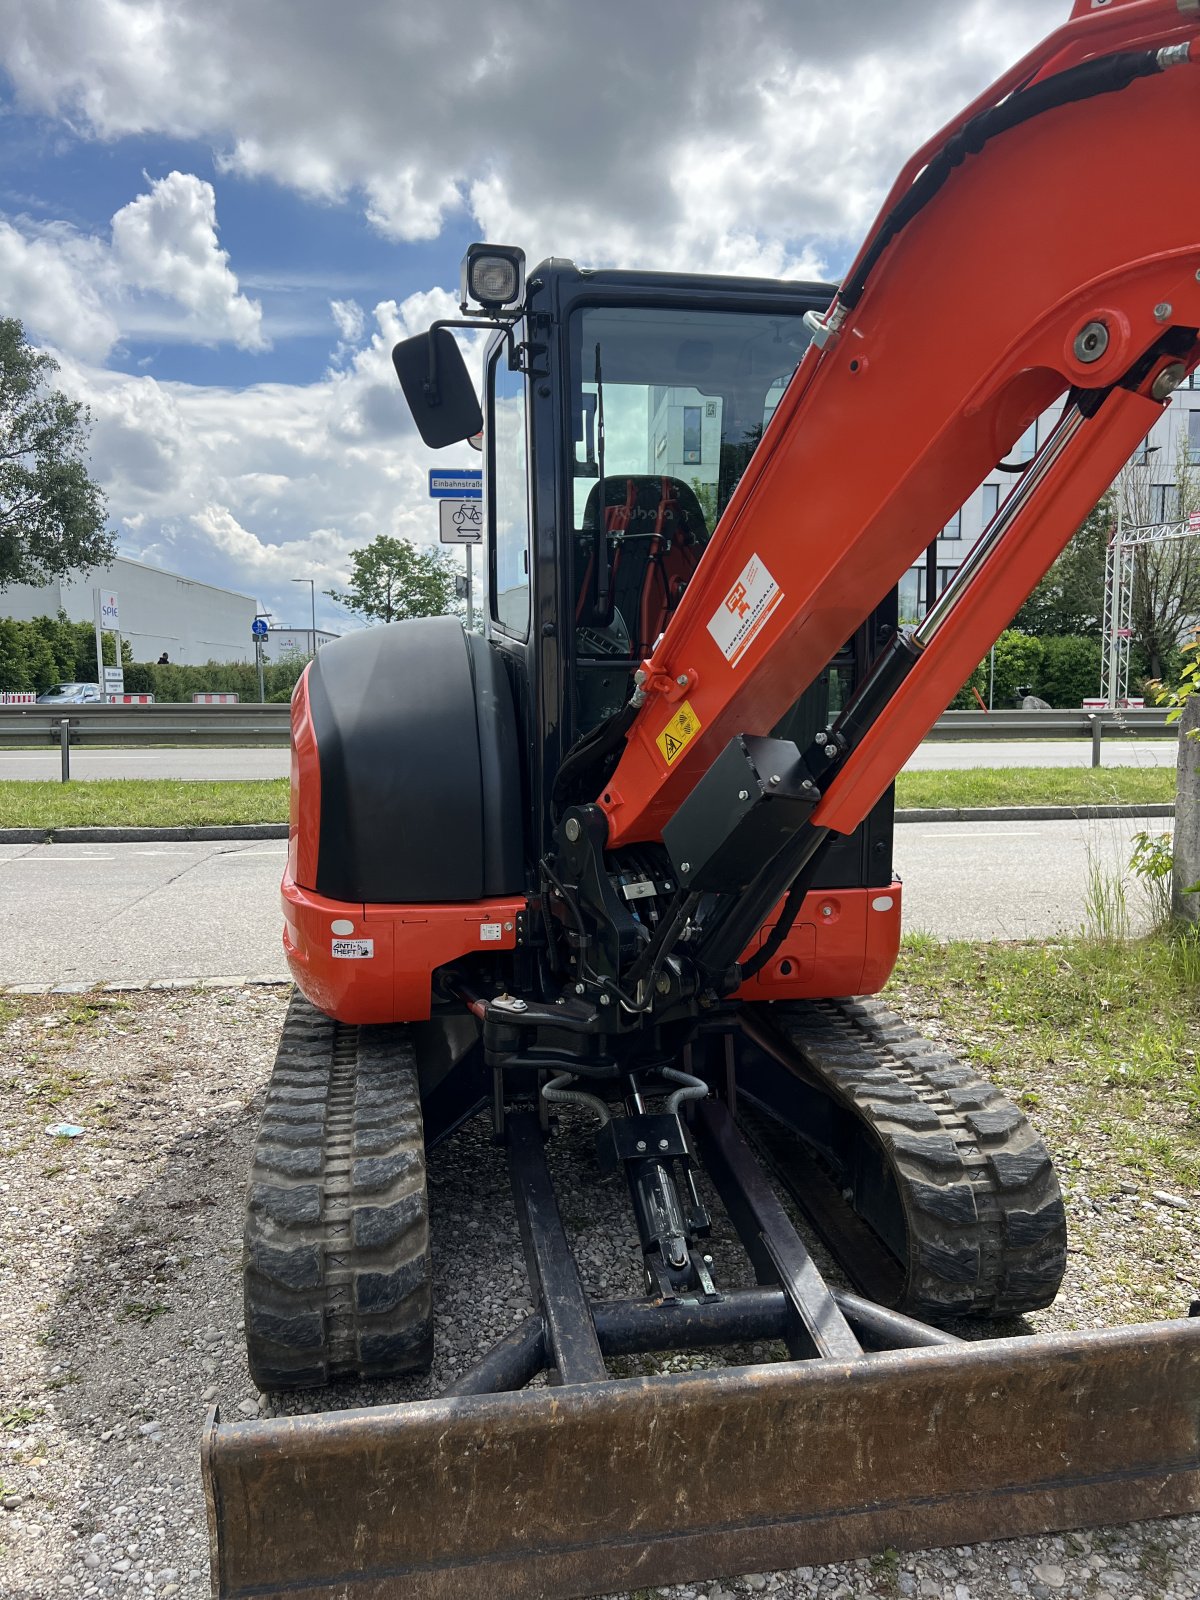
[391, 579]
[1070, 598]
[51, 513]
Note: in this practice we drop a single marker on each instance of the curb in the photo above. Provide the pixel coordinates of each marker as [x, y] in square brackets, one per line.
[241, 830]
[1036, 813]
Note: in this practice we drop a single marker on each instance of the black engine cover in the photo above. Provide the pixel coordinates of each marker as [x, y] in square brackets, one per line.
[420, 779]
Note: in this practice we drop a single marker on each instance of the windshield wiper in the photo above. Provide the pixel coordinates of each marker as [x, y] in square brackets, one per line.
[601, 572]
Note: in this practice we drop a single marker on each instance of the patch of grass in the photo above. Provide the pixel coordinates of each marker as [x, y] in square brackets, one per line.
[170, 803]
[1099, 1041]
[141, 803]
[19, 1417]
[143, 1311]
[1036, 786]
[1105, 905]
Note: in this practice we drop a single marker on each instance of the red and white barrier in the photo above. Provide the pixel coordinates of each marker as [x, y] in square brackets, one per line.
[214, 699]
[131, 699]
[18, 698]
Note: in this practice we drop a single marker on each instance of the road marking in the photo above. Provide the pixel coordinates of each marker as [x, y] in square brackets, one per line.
[68, 861]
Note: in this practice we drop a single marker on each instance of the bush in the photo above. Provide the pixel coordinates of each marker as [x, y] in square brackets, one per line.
[48, 650]
[1064, 670]
[1070, 670]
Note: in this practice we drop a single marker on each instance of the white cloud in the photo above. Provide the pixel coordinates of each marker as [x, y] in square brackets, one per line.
[252, 487]
[166, 241]
[350, 319]
[630, 134]
[49, 279]
[163, 276]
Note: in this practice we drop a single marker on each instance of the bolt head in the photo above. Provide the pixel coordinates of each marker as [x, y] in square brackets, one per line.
[685, 866]
[1162, 310]
[682, 680]
[775, 778]
[605, 1000]
[641, 1144]
[572, 829]
[826, 911]
[743, 794]
[663, 1144]
[578, 988]
[831, 750]
[1090, 342]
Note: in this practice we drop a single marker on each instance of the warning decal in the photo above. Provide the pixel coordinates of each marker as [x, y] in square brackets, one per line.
[684, 725]
[744, 609]
[353, 949]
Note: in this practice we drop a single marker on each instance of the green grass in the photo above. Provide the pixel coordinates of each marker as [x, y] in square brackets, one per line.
[1034, 786]
[172, 803]
[1098, 1041]
[141, 803]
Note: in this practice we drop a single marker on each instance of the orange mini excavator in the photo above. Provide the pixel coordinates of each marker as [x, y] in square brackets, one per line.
[618, 861]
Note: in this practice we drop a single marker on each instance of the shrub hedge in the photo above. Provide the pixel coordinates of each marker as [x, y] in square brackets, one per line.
[48, 650]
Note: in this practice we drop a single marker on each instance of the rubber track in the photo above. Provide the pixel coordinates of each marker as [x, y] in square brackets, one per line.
[985, 1222]
[336, 1259]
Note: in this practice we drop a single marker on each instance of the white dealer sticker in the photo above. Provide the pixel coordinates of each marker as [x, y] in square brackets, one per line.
[354, 949]
[744, 609]
[489, 932]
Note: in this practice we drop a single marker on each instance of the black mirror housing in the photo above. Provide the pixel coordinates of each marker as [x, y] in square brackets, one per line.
[438, 388]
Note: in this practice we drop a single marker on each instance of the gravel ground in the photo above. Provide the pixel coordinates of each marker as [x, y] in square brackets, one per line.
[120, 1307]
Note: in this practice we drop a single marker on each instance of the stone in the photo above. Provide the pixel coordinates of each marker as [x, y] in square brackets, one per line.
[1051, 1575]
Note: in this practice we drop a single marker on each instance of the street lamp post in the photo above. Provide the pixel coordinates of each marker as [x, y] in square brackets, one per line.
[313, 596]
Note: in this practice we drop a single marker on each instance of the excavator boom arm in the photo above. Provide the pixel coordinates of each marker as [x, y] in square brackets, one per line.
[1045, 244]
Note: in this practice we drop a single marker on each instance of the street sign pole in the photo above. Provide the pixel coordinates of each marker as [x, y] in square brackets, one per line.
[258, 629]
[460, 518]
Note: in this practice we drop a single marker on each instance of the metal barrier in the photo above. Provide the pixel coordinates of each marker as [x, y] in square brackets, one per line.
[28, 726]
[31, 726]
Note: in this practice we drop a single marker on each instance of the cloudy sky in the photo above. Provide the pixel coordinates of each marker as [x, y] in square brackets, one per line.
[219, 216]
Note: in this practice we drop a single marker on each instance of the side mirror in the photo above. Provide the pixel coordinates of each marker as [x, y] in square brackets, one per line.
[438, 388]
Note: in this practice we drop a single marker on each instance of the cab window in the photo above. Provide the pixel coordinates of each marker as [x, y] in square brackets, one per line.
[508, 478]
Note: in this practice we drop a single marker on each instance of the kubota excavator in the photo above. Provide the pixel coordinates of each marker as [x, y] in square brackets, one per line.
[622, 857]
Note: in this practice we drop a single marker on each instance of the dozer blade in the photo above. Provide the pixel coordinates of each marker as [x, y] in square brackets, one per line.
[582, 1489]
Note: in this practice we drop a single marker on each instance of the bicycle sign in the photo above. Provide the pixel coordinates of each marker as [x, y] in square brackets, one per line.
[460, 521]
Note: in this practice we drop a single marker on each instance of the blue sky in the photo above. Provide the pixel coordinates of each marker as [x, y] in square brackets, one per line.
[219, 217]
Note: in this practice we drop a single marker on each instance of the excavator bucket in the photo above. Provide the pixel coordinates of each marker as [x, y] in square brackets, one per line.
[588, 1488]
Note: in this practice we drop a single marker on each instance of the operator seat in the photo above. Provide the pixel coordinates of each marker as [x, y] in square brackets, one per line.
[657, 534]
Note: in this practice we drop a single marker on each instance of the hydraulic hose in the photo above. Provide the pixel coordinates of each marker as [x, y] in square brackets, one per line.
[693, 1088]
[556, 1092]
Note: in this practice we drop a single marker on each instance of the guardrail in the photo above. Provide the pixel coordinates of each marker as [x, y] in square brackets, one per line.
[1051, 724]
[22, 727]
[38, 725]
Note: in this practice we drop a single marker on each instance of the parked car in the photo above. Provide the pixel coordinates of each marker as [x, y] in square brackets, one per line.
[72, 694]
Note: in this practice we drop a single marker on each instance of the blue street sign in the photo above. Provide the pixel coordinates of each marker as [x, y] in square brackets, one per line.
[456, 485]
[259, 628]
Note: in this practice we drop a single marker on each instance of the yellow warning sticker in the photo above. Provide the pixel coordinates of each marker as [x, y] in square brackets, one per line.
[683, 726]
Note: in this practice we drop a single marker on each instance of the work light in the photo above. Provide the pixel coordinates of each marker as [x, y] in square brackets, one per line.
[493, 276]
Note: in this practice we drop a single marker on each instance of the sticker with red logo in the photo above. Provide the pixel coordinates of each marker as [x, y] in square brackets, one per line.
[744, 609]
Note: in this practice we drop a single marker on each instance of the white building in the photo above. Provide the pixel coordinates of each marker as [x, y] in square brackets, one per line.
[283, 642]
[192, 622]
[1158, 458]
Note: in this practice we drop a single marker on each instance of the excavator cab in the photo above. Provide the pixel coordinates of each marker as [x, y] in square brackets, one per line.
[623, 862]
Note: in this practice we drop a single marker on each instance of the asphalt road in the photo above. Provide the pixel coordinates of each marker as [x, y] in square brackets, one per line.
[273, 763]
[82, 914]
